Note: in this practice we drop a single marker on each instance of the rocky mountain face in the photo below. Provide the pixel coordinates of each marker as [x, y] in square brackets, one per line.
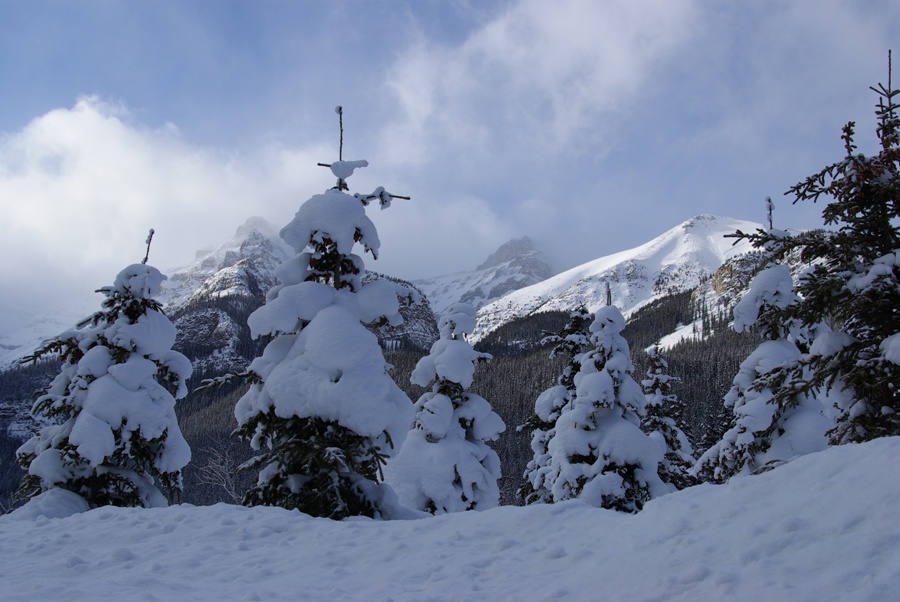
[516, 264]
[677, 260]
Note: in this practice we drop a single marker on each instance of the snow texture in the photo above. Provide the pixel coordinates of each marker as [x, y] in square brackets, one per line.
[825, 527]
[333, 369]
[335, 216]
[766, 434]
[773, 286]
[345, 169]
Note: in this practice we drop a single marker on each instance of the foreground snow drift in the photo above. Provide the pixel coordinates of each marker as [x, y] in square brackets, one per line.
[824, 527]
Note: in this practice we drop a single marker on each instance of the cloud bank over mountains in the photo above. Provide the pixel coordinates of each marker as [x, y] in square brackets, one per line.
[590, 127]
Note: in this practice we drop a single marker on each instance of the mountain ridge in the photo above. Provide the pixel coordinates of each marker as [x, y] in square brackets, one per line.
[515, 264]
[676, 260]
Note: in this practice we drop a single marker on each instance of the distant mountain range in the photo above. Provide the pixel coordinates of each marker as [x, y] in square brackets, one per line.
[677, 260]
[210, 298]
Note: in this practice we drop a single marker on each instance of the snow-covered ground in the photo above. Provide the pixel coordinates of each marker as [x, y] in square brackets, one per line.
[823, 527]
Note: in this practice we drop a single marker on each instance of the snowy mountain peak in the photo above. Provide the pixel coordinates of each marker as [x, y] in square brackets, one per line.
[510, 251]
[242, 266]
[516, 264]
[677, 260]
[256, 224]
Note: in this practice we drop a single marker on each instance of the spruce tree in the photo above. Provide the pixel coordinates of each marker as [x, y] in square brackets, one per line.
[598, 452]
[572, 341]
[664, 422]
[853, 283]
[445, 464]
[322, 409]
[110, 431]
[769, 425]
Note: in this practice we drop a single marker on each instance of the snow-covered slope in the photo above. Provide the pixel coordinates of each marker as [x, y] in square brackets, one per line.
[516, 264]
[823, 527]
[677, 260]
[31, 332]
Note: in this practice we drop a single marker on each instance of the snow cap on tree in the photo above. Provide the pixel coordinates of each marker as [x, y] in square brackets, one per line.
[334, 216]
[458, 321]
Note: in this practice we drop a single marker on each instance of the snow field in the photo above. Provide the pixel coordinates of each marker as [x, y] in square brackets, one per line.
[823, 527]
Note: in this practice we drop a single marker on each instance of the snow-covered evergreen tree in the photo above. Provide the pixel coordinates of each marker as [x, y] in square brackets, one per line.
[853, 283]
[111, 435]
[445, 464]
[598, 452]
[572, 341]
[664, 422]
[322, 407]
[769, 426]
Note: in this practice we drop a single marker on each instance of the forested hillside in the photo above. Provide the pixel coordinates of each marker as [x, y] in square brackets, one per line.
[520, 370]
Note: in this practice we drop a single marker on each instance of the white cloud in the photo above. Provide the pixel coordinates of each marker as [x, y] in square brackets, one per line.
[540, 76]
[428, 237]
[81, 187]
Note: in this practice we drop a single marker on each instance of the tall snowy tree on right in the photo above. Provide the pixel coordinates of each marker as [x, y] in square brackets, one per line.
[853, 283]
[598, 452]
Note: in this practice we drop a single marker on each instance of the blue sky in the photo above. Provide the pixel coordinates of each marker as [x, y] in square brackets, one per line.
[591, 126]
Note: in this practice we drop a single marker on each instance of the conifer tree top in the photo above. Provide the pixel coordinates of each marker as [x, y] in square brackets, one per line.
[137, 280]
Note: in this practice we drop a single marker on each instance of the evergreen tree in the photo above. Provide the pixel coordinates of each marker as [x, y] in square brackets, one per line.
[445, 464]
[322, 407]
[572, 341]
[598, 452]
[664, 422]
[110, 431]
[853, 283]
[768, 428]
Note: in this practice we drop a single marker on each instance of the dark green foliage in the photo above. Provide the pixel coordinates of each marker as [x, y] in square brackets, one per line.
[854, 280]
[522, 336]
[318, 467]
[665, 414]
